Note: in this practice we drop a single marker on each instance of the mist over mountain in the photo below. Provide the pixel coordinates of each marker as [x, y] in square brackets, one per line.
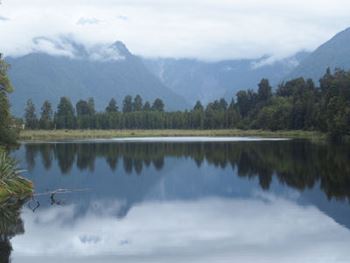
[335, 53]
[206, 81]
[66, 68]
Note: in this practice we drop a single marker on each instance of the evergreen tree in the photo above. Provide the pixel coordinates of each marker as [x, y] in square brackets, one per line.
[147, 106]
[137, 106]
[264, 91]
[82, 108]
[31, 120]
[64, 117]
[158, 105]
[198, 106]
[85, 112]
[112, 106]
[198, 116]
[222, 104]
[91, 105]
[127, 104]
[46, 119]
[232, 115]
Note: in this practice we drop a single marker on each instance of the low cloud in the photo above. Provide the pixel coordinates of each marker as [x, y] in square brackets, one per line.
[203, 29]
[67, 46]
[55, 48]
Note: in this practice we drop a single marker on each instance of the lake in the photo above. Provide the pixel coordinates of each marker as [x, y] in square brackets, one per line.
[181, 200]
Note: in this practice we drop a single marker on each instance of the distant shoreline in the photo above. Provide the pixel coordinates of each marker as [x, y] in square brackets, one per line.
[61, 135]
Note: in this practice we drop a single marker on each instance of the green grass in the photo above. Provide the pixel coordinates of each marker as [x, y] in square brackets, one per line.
[44, 135]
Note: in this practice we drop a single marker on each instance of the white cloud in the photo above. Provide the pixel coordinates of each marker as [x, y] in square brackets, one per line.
[105, 53]
[206, 29]
[88, 21]
[52, 47]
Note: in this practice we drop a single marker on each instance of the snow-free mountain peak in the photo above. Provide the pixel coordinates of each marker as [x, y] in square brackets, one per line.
[333, 54]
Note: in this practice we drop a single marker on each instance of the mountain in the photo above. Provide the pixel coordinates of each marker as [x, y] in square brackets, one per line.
[206, 81]
[101, 72]
[335, 53]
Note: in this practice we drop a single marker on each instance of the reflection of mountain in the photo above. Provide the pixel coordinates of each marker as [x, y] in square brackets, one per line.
[133, 172]
[337, 209]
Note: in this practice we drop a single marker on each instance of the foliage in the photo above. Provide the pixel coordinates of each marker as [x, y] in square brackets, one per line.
[64, 117]
[8, 132]
[46, 119]
[296, 105]
[11, 183]
[31, 120]
[112, 106]
[11, 225]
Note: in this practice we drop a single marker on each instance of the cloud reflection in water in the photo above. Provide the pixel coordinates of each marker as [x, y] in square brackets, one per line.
[257, 229]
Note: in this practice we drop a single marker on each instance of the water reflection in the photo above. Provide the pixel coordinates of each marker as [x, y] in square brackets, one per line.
[261, 201]
[300, 165]
[261, 229]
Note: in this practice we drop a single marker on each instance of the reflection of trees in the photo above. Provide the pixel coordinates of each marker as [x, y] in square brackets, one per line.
[46, 155]
[298, 164]
[30, 156]
[127, 161]
[65, 154]
[138, 166]
[10, 225]
[86, 156]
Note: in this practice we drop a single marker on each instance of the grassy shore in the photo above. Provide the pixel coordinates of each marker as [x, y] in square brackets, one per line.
[57, 135]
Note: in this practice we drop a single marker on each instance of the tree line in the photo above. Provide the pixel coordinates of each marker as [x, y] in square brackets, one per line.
[297, 104]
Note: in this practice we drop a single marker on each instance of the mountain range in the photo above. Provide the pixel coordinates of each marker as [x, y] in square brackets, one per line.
[106, 71]
[207, 81]
[101, 73]
[333, 54]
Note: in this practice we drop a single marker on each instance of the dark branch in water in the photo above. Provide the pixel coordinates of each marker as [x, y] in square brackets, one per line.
[61, 191]
[33, 208]
[52, 195]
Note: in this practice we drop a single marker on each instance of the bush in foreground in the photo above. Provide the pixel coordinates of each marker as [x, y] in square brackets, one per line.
[12, 184]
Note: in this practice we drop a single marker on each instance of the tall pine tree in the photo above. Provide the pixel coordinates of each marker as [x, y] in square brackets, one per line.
[31, 120]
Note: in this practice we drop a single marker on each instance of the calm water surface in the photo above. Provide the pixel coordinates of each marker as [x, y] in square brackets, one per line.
[234, 200]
